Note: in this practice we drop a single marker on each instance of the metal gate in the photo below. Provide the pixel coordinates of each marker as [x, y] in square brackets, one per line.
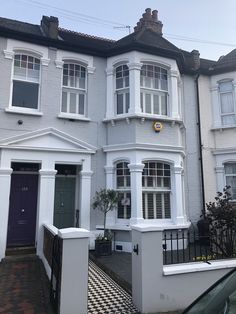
[55, 284]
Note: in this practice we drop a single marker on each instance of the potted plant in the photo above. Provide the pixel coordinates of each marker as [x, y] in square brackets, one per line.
[105, 200]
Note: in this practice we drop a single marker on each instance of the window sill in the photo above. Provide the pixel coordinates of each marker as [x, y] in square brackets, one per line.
[28, 112]
[143, 117]
[223, 127]
[72, 117]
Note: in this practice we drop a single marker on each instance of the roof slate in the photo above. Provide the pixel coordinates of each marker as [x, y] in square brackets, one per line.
[145, 40]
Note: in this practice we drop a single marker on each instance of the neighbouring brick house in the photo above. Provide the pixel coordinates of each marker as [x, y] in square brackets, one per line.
[79, 113]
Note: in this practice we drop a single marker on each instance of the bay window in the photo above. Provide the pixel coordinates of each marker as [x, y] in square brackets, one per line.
[156, 183]
[154, 90]
[74, 89]
[123, 188]
[122, 89]
[26, 76]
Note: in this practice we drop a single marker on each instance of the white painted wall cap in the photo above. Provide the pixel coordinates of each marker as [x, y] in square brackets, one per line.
[145, 228]
[51, 228]
[73, 233]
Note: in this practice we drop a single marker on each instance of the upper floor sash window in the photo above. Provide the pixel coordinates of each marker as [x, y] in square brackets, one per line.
[74, 89]
[26, 77]
[122, 89]
[227, 103]
[154, 90]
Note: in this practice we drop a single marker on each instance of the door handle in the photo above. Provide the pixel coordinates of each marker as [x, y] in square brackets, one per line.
[22, 210]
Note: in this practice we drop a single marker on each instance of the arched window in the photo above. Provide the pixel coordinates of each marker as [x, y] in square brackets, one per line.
[154, 90]
[26, 76]
[122, 89]
[73, 89]
[230, 177]
[156, 182]
[123, 187]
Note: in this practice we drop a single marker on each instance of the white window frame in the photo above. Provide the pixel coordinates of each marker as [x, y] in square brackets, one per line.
[230, 175]
[76, 90]
[123, 91]
[125, 189]
[154, 190]
[27, 79]
[232, 93]
[154, 92]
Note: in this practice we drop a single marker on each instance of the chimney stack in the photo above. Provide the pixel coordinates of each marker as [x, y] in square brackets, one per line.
[150, 21]
[50, 26]
[195, 59]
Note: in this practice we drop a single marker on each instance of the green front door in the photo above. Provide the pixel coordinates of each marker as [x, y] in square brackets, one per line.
[64, 204]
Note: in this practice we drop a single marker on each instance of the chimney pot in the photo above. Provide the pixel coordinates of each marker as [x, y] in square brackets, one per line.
[149, 20]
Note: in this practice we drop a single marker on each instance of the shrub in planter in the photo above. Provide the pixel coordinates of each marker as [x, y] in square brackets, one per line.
[105, 200]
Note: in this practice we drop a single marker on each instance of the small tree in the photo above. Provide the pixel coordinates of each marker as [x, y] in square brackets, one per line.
[105, 200]
[221, 216]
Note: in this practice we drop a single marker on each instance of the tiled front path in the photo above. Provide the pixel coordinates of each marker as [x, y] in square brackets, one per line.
[106, 296]
[24, 289]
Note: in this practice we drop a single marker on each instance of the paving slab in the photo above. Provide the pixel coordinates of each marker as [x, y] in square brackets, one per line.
[24, 286]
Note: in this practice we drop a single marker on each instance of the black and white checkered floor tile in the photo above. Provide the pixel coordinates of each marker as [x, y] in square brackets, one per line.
[105, 296]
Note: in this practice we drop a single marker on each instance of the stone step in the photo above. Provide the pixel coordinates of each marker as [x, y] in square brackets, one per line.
[25, 250]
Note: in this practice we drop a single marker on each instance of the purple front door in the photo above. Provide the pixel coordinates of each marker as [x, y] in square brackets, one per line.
[22, 210]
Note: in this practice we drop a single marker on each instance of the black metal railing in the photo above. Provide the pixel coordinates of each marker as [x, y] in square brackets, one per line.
[55, 283]
[186, 246]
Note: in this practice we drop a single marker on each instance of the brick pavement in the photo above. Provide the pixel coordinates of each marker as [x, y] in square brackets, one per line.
[24, 286]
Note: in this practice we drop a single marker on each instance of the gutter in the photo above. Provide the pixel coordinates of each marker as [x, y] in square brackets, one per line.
[200, 145]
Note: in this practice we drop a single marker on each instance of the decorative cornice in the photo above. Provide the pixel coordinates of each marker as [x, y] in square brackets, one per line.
[47, 172]
[86, 174]
[219, 169]
[59, 64]
[144, 146]
[109, 169]
[8, 54]
[45, 62]
[174, 73]
[224, 151]
[178, 169]
[136, 167]
[135, 66]
[90, 69]
[5, 171]
[110, 72]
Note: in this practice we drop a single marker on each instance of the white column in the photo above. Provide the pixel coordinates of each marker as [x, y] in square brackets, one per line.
[136, 193]
[174, 95]
[85, 198]
[178, 212]
[134, 83]
[74, 272]
[110, 171]
[220, 179]
[46, 203]
[110, 94]
[5, 184]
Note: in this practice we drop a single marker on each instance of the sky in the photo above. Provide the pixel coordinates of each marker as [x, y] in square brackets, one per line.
[187, 23]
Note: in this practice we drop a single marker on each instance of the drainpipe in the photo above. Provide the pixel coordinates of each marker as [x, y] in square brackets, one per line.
[200, 145]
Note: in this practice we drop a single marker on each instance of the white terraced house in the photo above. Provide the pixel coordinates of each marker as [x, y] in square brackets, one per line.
[79, 113]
